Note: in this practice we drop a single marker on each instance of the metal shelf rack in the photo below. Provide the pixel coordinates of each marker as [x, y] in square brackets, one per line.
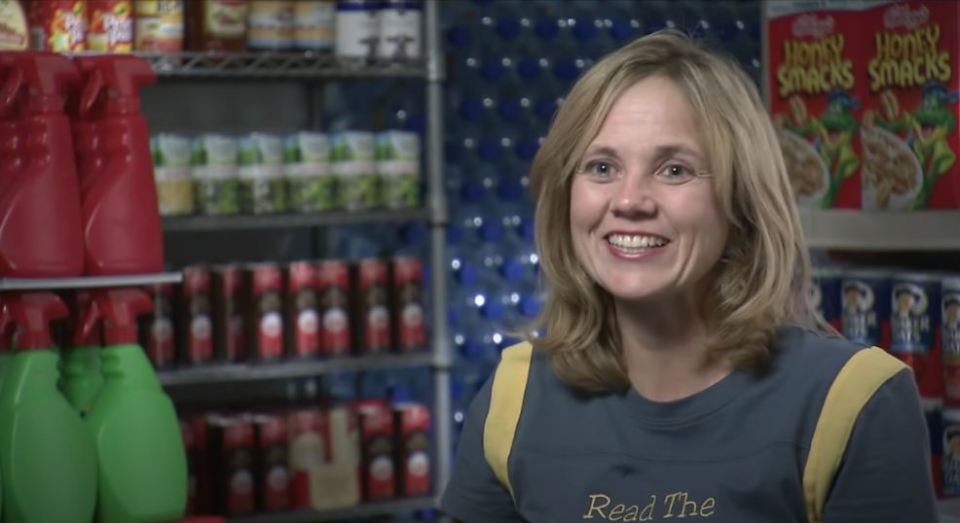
[87, 282]
[289, 65]
[882, 231]
[277, 221]
[366, 510]
[244, 372]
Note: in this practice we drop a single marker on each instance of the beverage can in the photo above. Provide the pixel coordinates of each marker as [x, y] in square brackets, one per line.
[333, 281]
[914, 316]
[265, 316]
[171, 169]
[398, 166]
[303, 309]
[196, 322]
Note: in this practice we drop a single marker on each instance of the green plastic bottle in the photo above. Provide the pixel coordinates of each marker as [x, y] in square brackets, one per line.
[141, 461]
[47, 457]
[80, 374]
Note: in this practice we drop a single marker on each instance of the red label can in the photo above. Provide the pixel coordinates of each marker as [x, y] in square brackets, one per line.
[950, 338]
[228, 312]
[232, 448]
[58, 25]
[914, 337]
[158, 329]
[265, 324]
[110, 24]
[333, 279]
[196, 324]
[377, 472]
[373, 306]
[413, 449]
[273, 473]
[411, 330]
[304, 325]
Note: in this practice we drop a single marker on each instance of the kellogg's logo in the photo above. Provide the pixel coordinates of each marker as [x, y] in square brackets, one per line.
[903, 16]
[810, 25]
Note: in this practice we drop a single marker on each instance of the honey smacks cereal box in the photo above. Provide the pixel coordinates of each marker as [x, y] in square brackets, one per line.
[815, 90]
[909, 122]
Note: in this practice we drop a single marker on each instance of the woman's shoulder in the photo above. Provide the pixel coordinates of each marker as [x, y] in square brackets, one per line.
[805, 351]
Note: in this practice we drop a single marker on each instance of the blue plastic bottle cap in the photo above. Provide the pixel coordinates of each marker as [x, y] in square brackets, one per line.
[468, 274]
[493, 310]
[527, 148]
[623, 29]
[460, 37]
[492, 69]
[509, 109]
[491, 231]
[508, 27]
[529, 306]
[400, 394]
[528, 68]
[546, 28]
[585, 29]
[471, 192]
[510, 190]
[489, 149]
[566, 69]
[512, 271]
[471, 109]
[471, 349]
[528, 229]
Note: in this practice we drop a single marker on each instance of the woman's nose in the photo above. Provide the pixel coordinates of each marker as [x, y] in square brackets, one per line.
[633, 196]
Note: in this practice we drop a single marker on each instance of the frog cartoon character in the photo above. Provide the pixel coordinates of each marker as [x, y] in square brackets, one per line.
[927, 128]
[833, 133]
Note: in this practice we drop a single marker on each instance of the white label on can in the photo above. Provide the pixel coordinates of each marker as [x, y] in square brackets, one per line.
[399, 34]
[358, 32]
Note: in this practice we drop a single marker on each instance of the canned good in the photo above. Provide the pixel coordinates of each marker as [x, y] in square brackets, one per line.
[272, 468]
[913, 319]
[352, 156]
[373, 315]
[228, 312]
[377, 470]
[265, 316]
[412, 422]
[14, 32]
[951, 452]
[398, 167]
[950, 336]
[333, 281]
[411, 330]
[302, 308]
[311, 183]
[270, 24]
[358, 29]
[110, 26]
[232, 444]
[158, 328]
[213, 162]
[262, 185]
[308, 452]
[866, 309]
[826, 295]
[315, 25]
[159, 26]
[400, 29]
[58, 25]
[196, 324]
[171, 170]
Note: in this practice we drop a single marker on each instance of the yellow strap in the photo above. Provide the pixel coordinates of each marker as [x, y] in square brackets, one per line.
[506, 401]
[854, 385]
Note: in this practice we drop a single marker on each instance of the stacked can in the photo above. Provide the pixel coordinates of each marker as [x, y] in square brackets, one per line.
[866, 308]
[949, 441]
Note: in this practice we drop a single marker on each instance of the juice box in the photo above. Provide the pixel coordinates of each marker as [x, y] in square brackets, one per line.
[814, 88]
[909, 125]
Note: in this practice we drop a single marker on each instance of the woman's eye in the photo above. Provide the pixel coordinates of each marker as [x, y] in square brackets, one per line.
[676, 172]
[599, 168]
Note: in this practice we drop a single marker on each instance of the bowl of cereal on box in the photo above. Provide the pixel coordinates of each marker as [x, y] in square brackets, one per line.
[892, 176]
[807, 170]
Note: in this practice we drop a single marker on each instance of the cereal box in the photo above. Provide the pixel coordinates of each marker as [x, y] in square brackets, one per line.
[814, 90]
[909, 123]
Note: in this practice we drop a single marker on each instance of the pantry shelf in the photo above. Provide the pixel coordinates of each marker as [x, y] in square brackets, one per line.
[277, 221]
[87, 282]
[366, 510]
[243, 372]
[275, 65]
[853, 230]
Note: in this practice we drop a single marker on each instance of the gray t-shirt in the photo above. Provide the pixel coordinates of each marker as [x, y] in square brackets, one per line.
[733, 453]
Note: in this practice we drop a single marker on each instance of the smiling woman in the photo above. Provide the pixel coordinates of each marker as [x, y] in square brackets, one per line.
[682, 371]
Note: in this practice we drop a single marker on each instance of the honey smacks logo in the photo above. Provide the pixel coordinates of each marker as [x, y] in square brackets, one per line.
[814, 66]
[908, 59]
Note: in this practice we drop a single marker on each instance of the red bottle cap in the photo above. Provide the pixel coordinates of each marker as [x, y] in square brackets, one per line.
[113, 81]
[118, 310]
[32, 312]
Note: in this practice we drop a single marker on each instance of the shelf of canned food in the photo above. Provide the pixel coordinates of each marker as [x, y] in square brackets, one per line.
[241, 372]
[931, 230]
[273, 221]
[88, 282]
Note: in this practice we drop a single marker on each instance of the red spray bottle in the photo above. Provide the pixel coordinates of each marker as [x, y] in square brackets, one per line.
[40, 233]
[121, 221]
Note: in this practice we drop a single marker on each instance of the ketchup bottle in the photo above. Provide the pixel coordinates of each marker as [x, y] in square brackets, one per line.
[40, 234]
[121, 221]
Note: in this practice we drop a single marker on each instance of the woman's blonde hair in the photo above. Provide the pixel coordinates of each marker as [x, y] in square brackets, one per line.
[762, 279]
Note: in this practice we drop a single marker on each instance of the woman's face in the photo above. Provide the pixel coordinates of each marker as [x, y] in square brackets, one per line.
[644, 218]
